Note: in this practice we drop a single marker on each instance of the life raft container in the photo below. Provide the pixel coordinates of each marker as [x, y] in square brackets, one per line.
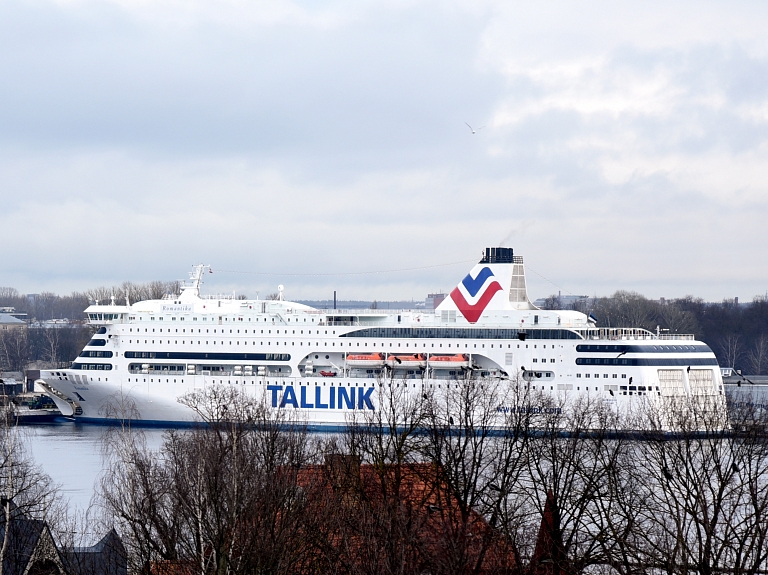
[448, 361]
[403, 361]
[365, 360]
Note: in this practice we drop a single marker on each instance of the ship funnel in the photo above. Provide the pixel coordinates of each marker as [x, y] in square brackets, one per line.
[497, 282]
[499, 256]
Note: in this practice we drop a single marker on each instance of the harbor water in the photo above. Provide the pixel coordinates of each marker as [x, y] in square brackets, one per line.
[72, 455]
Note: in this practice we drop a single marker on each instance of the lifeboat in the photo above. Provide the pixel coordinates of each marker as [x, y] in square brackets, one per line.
[448, 361]
[403, 361]
[327, 373]
[365, 360]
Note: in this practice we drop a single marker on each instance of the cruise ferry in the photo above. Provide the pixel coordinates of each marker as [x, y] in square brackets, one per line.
[327, 365]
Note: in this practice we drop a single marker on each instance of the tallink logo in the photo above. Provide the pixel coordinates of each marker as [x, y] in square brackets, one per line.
[480, 290]
[324, 397]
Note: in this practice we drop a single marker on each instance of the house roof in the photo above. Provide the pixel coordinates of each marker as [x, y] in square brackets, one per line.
[549, 556]
[24, 536]
[432, 513]
[107, 557]
[9, 319]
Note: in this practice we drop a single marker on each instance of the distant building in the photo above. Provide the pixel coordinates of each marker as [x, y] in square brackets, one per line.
[434, 299]
[9, 322]
[22, 315]
[57, 323]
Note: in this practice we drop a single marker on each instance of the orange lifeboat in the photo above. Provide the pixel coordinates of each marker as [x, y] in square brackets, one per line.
[403, 361]
[365, 360]
[449, 361]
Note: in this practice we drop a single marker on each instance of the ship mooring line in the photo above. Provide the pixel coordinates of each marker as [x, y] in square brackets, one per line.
[548, 280]
[344, 273]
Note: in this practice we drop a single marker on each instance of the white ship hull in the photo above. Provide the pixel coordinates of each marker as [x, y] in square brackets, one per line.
[146, 356]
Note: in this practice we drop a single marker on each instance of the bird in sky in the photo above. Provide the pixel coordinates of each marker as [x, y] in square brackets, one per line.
[473, 130]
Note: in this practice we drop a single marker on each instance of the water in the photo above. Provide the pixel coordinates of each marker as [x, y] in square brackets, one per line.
[71, 454]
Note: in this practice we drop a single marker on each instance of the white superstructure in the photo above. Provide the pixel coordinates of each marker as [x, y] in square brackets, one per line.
[327, 363]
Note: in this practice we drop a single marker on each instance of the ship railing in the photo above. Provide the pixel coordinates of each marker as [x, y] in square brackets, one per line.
[624, 333]
[357, 323]
[219, 296]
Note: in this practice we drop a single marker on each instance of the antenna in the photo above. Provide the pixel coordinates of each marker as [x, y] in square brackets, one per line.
[280, 289]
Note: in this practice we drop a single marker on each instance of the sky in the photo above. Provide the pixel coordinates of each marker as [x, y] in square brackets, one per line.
[624, 145]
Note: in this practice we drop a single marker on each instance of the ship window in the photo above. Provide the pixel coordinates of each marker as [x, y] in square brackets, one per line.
[586, 375]
[578, 375]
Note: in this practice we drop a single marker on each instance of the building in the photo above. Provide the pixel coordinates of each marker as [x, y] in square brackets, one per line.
[420, 522]
[433, 300]
[22, 315]
[29, 548]
[10, 322]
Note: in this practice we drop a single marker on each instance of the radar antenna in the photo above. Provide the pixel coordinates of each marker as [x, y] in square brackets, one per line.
[192, 287]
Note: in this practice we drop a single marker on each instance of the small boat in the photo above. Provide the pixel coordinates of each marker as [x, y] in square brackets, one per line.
[327, 373]
[414, 360]
[365, 360]
[449, 361]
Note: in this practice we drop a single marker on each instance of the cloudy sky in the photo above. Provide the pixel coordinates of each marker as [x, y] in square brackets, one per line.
[625, 145]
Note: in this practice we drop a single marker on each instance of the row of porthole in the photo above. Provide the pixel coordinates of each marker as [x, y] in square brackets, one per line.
[213, 318]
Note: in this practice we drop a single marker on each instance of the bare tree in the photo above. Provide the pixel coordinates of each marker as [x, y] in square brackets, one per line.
[474, 473]
[51, 337]
[8, 293]
[675, 319]
[221, 498]
[380, 515]
[552, 302]
[631, 309]
[25, 491]
[704, 495]
[731, 350]
[758, 356]
[14, 349]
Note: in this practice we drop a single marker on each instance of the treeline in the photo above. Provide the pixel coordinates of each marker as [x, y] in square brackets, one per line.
[57, 345]
[737, 333]
[444, 484]
[46, 306]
